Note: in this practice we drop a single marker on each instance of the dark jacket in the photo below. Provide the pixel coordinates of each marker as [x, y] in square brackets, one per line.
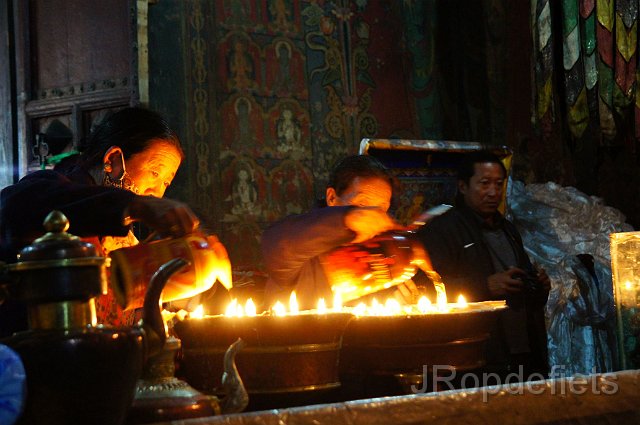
[459, 253]
[457, 249]
[92, 210]
[291, 249]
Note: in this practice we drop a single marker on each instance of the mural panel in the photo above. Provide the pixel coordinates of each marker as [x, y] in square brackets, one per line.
[278, 91]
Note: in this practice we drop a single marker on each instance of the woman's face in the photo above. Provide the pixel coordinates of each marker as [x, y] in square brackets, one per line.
[153, 170]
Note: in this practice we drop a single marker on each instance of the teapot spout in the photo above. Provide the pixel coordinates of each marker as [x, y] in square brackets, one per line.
[152, 320]
[236, 399]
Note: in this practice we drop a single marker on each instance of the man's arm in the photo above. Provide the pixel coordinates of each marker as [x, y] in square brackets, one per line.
[290, 243]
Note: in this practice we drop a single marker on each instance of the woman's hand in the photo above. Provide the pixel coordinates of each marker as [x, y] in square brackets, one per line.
[166, 216]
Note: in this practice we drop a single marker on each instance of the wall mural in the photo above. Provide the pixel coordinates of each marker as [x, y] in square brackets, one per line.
[273, 92]
[292, 86]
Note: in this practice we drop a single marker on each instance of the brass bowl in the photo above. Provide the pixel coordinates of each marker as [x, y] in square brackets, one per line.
[283, 354]
[390, 345]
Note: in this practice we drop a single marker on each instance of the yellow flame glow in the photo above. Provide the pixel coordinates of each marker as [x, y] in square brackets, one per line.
[293, 303]
[391, 306]
[360, 309]
[167, 315]
[337, 302]
[198, 313]
[322, 306]
[250, 308]
[231, 308]
[279, 309]
[424, 305]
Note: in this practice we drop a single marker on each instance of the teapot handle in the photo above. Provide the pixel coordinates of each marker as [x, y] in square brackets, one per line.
[152, 320]
[236, 399]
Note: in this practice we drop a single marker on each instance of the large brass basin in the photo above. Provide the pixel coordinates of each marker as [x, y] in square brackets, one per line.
[389, 345]
[289, 354]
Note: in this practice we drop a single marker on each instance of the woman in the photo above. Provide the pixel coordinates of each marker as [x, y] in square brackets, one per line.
[118, 178]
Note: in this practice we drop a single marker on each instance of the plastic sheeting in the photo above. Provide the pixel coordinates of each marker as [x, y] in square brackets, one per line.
[13, 385]
[563, 230]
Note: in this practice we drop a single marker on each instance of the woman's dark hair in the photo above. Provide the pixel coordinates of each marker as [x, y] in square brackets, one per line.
[132, 129]
[466, 167]
[354, 166]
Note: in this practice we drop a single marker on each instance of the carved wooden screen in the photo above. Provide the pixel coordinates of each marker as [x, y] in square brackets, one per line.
[75, 60]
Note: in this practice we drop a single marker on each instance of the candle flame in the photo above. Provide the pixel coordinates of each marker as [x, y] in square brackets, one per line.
[424, 304]
[337, 302]
[392, 307]
[250, 308]
[167, 315]
[198, 313]
[278, 309]
[182, 314]
[360, 309]
[231, 308]
[293, 303]
[322, 306]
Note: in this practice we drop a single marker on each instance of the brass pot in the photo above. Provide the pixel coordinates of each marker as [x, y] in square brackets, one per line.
[290, 354]
[161, 397]
[77, 371]
[391, 345]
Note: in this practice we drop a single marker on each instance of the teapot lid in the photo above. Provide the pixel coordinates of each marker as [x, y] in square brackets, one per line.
[57, 248]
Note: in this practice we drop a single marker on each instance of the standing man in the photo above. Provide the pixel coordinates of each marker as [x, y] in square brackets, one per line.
[480, 254]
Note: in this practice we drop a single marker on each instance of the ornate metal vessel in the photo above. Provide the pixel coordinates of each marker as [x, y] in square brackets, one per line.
[77, 371]
[290, 354]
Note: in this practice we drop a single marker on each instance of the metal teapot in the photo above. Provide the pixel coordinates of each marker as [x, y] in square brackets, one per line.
[132, 268]
[384, 261]
[161, 397]
[78, 372]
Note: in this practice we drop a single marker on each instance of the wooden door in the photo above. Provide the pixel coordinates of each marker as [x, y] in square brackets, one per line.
[74, 61]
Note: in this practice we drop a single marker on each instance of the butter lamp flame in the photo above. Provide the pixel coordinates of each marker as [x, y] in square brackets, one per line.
[337, 302]
[322, 306]
[424, 305]
[279, 309]
[293, 303]
[250, 308]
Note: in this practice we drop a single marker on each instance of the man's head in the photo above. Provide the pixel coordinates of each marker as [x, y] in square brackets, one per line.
[360, 180]
[481, 177]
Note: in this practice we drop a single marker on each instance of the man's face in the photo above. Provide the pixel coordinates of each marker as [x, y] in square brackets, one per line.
[484, 191]
[363, 192]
